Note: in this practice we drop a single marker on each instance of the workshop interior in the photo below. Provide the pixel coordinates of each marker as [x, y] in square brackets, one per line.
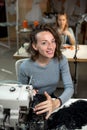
[17, 19]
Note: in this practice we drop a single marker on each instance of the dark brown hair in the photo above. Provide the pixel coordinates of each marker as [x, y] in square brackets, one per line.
[33, 39]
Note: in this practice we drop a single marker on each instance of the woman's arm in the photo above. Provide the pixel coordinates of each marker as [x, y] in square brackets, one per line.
[67, 81]
[70, 35]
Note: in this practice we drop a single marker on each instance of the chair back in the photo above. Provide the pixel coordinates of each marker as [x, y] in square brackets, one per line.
[17, 66]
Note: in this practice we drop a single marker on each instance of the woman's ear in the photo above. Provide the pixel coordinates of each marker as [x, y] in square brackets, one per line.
[34, 46]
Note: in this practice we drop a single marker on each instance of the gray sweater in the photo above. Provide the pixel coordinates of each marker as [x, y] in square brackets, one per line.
[46, 78]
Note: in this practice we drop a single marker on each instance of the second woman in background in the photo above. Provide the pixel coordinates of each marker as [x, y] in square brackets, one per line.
[65, 32]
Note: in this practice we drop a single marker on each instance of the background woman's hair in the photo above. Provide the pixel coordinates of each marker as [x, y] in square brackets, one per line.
[33, 40]
[59, 14]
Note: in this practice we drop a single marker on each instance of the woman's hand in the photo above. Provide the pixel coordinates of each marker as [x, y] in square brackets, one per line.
[47, 106]
[67, 33]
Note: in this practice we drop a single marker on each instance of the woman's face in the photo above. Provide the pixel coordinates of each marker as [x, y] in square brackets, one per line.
[62, 21]
[45, 44]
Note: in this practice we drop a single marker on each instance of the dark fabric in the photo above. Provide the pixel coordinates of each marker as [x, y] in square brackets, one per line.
[71, 117]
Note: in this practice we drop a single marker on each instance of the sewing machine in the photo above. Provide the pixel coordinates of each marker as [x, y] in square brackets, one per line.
[14, 101]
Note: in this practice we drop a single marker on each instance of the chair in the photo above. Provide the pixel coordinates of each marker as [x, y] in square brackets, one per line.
[17, 66]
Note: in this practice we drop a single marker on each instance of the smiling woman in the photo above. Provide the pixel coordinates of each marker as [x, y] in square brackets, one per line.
[44, 65]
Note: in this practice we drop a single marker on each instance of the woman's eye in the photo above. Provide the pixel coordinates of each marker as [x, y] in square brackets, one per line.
[53, 41]
[43, 43]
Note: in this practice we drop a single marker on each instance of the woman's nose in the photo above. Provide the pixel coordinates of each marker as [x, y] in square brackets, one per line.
[50, 45]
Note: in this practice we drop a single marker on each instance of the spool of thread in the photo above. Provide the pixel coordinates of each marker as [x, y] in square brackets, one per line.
[25, 24]
[36, 23]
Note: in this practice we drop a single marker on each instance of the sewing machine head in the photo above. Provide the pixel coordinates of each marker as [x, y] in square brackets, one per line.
[14, 100]
[12, 96]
